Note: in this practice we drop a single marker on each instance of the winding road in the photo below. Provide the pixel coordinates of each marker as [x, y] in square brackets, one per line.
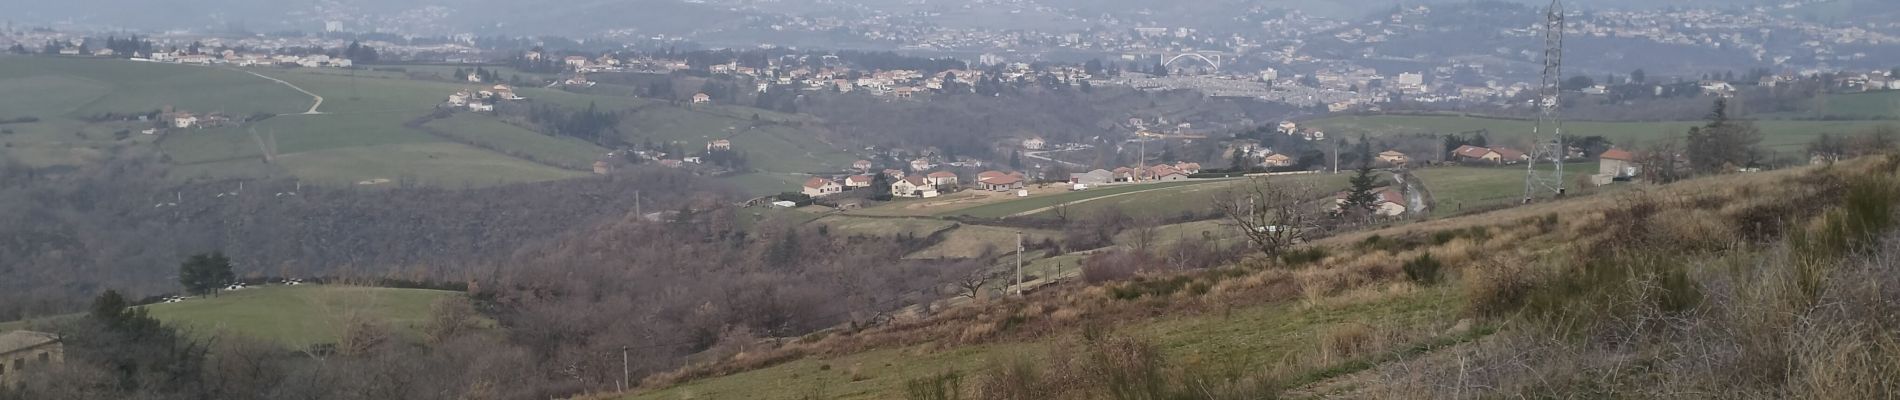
[313, 107]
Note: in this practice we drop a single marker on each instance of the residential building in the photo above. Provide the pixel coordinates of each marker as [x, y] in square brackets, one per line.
[1507, 155]
[942, 179]
[25, 351]
[820, 187]
[1096, 177]
[858, 181]
[1001, 183]
[1277, 161]
[184, 120]
[1616, 165]
[1394, 157]
[1034, 143]
[719, 145]
[700, 98]
[913, 186]
[862, 165]
[1389, 202]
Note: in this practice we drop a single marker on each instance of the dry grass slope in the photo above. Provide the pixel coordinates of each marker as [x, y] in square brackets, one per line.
[1769, 285]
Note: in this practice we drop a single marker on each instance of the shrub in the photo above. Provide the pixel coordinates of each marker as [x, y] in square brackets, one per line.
[1423, 269]
[1496, 289]
[1309, 255]
[1011, 379]
[1113, 265]
[1345, 341]
[947, 385]
[1128, 369]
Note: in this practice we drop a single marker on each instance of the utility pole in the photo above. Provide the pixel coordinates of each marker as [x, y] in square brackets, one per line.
[1019, 263]
[625, 375]
[636, 206]
[1141, 164]
[1336, 156]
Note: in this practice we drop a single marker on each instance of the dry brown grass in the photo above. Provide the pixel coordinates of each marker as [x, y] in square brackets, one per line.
[1495, 273]
[1345, 341]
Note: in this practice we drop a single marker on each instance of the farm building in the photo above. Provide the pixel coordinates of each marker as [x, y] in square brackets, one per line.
[23, 351]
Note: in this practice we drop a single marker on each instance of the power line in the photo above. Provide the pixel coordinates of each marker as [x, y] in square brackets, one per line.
[1550, 114]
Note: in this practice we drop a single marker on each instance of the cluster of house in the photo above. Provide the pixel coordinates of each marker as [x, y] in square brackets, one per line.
[899, 83]
[187, 119]
[482, 100]
[925, 185]
[232, 57]
[1154, 173]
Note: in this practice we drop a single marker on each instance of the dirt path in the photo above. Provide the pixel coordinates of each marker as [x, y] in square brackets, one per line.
[313, 107]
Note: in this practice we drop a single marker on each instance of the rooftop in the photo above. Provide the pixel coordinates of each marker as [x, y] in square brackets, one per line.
[21, 340]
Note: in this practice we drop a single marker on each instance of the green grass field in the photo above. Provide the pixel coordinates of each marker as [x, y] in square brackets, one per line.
[1778, 135]
[567, 152]
[360, 133]
[1077, 198]
[441, 164]
[1246, 339]
[299, 315]
[972, 241]
[61, 92]
[1196, 199]
[294, 316]
[1870, 105]
[1460, 187]
[765, 183]
[884, 227]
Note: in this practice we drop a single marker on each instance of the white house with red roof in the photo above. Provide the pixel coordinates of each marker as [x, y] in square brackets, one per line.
[820, 187]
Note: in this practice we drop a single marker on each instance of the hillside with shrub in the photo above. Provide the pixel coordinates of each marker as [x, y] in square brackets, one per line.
[1762, 285]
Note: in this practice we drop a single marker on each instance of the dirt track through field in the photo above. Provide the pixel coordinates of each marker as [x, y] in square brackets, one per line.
[1033, 212]
[313, 107]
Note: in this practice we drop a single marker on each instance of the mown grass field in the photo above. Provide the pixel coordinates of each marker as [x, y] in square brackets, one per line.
[1246, 339]
[884, 227]
[440, 164]
[294, 316]
[302, 315]
[1870, 105]
[1779, 135]
[1076, 198]
[973, 241]
[765, 183]
[1459, 187]
[1195, 199]
[360, 133]
[489, 132]
[61, 92]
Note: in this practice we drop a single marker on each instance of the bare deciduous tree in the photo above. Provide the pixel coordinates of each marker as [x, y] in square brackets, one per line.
[1270, 214]
[971, 283]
